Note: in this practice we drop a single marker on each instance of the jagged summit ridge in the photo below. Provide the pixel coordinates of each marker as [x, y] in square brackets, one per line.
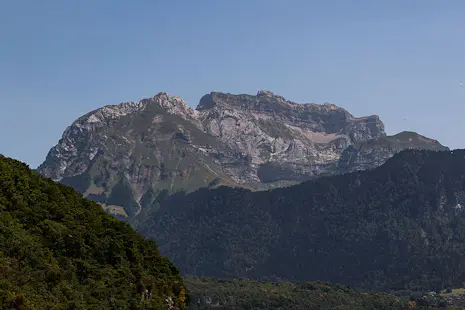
[263, 97]
[244, 140]
[265, 93]
[173, 104]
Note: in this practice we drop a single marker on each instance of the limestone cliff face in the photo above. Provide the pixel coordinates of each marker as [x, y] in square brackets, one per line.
[123, 155]
[300, 140]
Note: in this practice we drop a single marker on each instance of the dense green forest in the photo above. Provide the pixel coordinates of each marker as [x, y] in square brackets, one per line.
[244, 294]
[399, 226]
[61, 251]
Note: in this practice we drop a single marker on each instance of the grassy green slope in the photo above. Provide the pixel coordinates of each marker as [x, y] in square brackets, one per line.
[61, 251]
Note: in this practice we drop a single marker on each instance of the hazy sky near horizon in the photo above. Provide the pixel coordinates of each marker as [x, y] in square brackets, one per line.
[403, 60]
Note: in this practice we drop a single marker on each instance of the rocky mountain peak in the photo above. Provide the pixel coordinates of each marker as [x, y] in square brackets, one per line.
[173, 104]
[206, 102]
[241, 140]
[265, 93]
[241, 101]
[165, 97]
[264, 101]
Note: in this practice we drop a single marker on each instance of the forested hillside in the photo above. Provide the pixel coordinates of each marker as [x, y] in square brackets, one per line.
[61, 251]
[244, 294]
[400, 226]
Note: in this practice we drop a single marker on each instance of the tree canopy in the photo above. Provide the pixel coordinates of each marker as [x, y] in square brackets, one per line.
[61, 251]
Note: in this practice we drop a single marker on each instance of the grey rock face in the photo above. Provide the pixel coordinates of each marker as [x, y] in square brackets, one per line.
[273, 131]
[373, 153]
[161, 143]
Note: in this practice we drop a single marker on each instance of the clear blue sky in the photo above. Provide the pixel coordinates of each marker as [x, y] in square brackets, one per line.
[399, 59]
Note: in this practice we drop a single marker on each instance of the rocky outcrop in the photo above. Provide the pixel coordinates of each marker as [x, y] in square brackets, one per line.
[373, 153]
[272, 131]
[161, 143]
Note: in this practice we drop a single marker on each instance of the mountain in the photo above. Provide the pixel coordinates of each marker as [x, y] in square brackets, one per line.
[372, 153]
[398, 226]
[61, 251]
[124, 156]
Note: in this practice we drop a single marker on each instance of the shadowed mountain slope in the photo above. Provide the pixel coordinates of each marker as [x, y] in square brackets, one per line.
[399, 226]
